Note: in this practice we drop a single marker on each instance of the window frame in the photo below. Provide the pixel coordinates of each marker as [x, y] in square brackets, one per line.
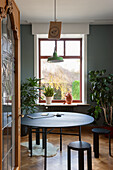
[65, 57]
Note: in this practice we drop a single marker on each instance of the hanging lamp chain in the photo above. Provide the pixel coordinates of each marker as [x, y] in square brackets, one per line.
[55, 10]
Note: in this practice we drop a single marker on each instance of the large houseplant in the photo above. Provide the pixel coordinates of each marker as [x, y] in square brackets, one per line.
[102, 94]
[29, 95]
[48, 92]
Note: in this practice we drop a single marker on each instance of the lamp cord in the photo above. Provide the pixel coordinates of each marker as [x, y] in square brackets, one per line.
[55, 10]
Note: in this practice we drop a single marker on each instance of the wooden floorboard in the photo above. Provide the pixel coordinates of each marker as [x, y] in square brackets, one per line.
[59, 162]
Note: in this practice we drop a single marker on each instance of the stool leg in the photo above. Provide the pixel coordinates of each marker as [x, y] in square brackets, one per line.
[68, 158]
[81, 159]
[96, 145]
[109, 145]
[89, 159]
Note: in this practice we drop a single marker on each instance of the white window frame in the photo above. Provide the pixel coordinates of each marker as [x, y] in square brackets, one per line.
[84, 59]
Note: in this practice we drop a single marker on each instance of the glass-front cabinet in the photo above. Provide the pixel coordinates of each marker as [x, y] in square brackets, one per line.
[9, 85]
[8, 94]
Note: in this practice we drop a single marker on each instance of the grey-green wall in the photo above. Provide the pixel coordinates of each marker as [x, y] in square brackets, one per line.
[27, 52]
[99, 50]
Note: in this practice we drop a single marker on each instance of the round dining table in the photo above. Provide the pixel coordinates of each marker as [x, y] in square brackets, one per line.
[47, 121]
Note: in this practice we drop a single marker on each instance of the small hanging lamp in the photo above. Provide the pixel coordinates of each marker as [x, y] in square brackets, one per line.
[54, 33]
[55, 58]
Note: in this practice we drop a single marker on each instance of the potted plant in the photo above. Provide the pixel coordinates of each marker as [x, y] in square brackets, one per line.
[102, 94]
[48, 92]
[29, 95]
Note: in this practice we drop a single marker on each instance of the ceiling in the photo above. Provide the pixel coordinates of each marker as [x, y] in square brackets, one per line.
[67, 11]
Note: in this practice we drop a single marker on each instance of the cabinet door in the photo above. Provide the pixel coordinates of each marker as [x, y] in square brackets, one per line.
[8, 95]
[9, 86]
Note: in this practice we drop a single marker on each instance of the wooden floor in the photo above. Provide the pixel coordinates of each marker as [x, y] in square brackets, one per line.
[59, 162]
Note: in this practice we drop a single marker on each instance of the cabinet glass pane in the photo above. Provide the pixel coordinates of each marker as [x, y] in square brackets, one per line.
[10, 160]
[5, 142]
[5, 164]
[9, 136]
[8, 93]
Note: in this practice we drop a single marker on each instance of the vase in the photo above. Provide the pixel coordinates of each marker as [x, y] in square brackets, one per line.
[68, 98]
[48, 100]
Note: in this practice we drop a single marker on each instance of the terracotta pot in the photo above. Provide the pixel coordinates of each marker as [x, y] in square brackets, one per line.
[68, 98]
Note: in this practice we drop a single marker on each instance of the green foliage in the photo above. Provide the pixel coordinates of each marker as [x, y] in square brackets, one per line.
[101, 91]
[29, 95]
[49, 91]
[95, 111]
[76, 90]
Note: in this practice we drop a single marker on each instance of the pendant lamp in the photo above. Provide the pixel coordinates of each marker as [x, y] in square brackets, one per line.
[55, 58]
[54, 33]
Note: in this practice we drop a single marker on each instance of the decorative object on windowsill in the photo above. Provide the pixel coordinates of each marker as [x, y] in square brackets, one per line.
[54, 33]
[48, 92]
[68, 97]
[54, 27]
[102, 94]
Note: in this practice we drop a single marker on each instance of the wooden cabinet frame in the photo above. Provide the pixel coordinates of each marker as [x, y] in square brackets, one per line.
[10, 7]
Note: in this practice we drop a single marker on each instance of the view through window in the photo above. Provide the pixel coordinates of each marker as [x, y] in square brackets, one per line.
[65, 76]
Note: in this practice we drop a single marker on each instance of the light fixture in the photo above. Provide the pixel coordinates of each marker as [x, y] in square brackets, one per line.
[54, 33]
[55, 58]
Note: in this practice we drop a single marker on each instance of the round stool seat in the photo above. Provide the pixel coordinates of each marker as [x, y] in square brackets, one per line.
[96, 133]
[79, 145]
[100, 131]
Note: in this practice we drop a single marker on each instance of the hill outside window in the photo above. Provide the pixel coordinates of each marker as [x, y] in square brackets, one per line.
[65, 76]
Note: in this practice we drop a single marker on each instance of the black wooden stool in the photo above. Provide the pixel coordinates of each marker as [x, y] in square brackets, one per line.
[80, 146]
[96, 133]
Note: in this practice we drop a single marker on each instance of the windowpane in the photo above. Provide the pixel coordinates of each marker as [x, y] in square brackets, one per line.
[47, 48]
[72, 48]
[64, 77]
[60, 48]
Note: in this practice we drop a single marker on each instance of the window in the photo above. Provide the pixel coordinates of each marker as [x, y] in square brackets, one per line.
[65, 76]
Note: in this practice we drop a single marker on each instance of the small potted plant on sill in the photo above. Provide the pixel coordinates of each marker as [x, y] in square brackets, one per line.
[102, 95]
[49, 92]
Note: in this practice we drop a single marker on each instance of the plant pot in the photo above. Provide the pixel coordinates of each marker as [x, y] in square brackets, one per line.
[48, 100]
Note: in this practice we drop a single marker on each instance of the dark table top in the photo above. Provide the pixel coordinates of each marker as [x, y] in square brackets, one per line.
[67, 119]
